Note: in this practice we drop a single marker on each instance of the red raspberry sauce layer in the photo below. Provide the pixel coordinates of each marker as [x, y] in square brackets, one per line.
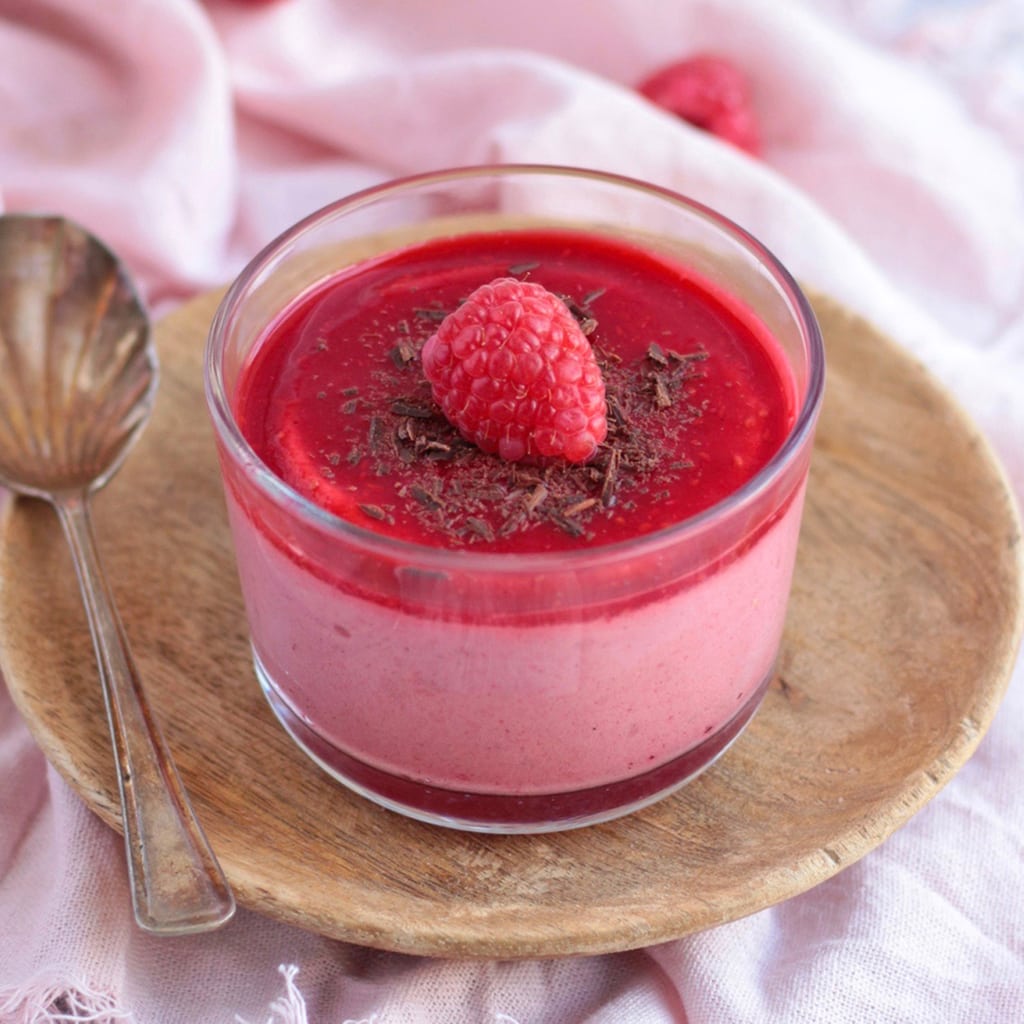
[335, 402]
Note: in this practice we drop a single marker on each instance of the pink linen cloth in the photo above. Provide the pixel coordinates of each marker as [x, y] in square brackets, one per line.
[188, 134]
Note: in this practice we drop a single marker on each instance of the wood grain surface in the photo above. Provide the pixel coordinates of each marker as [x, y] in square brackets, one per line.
[905, 617]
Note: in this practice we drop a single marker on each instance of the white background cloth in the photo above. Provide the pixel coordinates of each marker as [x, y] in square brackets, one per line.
[187, 135]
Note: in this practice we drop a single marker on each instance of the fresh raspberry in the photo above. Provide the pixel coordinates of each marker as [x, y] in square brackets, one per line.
[513, 371]
[711, 93]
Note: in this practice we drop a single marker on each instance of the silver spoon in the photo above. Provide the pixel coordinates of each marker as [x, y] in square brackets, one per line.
[78, 376]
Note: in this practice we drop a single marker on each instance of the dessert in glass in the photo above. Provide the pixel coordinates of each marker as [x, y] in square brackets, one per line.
[514, 460]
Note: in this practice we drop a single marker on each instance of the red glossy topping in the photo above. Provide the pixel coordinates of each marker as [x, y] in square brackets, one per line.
[335, 400]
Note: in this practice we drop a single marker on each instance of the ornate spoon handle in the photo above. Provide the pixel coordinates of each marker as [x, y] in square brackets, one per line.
[177, 885]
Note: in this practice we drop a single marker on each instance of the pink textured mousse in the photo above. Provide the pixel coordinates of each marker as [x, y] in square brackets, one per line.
[516, 642]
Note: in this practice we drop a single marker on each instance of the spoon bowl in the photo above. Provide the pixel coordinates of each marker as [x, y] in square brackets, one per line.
[78, 376]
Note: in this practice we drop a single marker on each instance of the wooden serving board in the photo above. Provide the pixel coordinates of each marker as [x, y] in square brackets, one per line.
[905, 617]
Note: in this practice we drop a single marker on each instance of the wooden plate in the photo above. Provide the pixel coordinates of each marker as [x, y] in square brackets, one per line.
[905, 617]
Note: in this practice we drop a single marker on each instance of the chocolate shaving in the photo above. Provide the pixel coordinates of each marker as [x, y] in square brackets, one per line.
[609, 479]
[433, 315]
[418, 412]
[522, 268]
[580, 506]
[402, 354]
[616, 413]
[656, 355]
[438, 452]
[569, 526]
[535, 497]
[515, 521]
[582, 316]
[376, 431]
[480, 527]
[688, 357]
[424, 497]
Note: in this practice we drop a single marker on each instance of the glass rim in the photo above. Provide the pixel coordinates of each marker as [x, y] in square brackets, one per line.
[466, 559]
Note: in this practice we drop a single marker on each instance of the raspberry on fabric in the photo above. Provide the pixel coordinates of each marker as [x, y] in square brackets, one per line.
[709, 92]
[514, 373]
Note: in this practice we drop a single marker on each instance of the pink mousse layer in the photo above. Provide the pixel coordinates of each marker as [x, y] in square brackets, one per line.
[533, 708]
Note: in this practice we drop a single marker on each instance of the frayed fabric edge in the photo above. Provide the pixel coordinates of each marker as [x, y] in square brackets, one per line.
[47, 1000]
[289, 1008]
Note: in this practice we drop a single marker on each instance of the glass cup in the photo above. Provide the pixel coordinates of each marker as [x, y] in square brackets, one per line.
[513, 692]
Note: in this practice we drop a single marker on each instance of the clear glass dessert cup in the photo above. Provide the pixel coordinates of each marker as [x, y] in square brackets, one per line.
[513, 692]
